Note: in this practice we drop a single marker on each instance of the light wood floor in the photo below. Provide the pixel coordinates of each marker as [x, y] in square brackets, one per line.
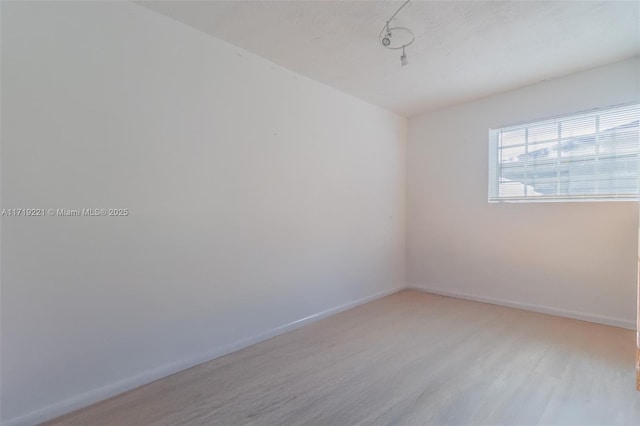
[407, 359]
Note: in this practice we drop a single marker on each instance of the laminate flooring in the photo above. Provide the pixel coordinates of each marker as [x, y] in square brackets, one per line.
[411, 358]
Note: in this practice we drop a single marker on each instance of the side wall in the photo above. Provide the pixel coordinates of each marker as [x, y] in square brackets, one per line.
[575, 259]
[257, 198]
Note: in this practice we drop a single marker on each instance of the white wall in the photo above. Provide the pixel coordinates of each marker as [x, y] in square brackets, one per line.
[575, 259]
[257, 197]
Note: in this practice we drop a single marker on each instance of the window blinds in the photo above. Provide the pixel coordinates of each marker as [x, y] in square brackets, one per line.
[586, 156]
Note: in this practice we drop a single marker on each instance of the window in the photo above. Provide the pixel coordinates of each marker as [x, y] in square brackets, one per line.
[587, 156]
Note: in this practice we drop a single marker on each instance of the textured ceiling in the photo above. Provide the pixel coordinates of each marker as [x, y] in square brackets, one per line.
[463, 49]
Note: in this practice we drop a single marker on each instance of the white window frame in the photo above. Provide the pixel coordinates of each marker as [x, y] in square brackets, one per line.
[495, 165]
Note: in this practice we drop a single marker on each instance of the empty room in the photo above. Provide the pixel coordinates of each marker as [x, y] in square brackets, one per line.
[321, 213]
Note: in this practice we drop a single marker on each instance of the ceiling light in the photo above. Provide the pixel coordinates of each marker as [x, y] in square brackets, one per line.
[386, 41]
[403, 36]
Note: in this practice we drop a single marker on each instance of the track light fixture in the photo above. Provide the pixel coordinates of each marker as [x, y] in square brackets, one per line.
[386, 41]
[403, 36]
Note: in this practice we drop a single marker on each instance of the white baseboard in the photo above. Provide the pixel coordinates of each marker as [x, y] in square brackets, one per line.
[600, 319]
[71, 404]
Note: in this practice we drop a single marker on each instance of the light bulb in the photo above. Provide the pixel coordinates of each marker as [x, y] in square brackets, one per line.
[403, 58]
[386, 41]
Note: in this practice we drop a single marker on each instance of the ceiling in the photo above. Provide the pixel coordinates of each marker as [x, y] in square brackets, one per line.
[463, 49]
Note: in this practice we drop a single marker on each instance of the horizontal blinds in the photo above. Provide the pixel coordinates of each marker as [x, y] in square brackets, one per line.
[592, 155]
